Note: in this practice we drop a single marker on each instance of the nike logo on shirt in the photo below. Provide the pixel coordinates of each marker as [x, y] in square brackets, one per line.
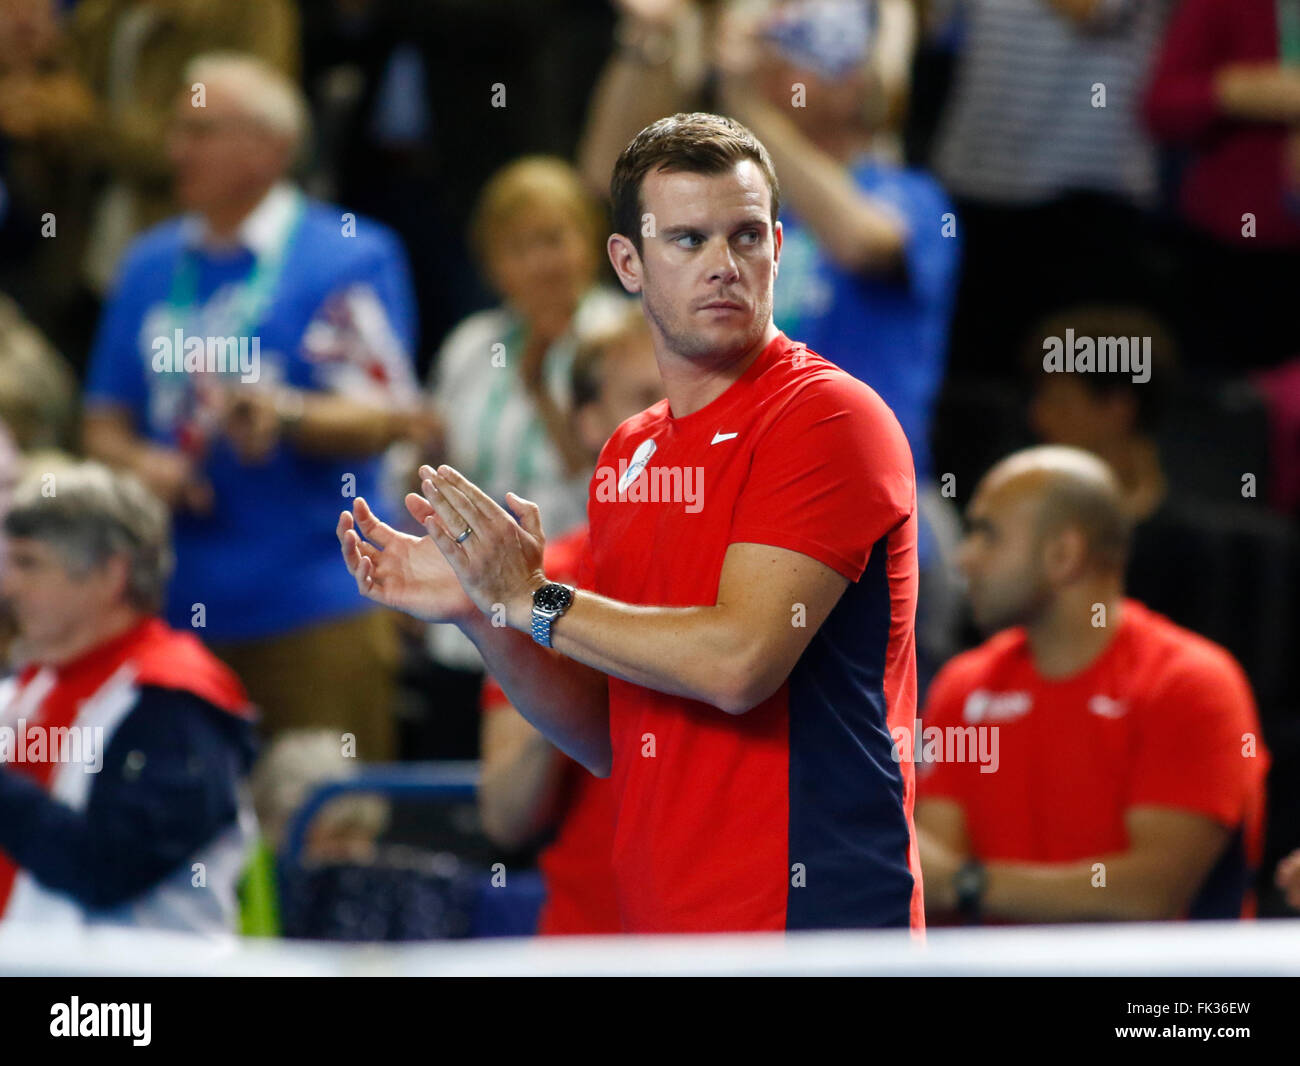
[723, 436]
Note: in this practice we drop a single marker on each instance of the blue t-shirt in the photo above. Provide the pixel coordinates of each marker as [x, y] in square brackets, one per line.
[891, 333]
[340, 317]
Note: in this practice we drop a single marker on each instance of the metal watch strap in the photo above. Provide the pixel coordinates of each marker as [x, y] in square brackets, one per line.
[543, 620]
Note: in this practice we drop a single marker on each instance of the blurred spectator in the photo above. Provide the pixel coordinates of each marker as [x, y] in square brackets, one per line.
[45, 191]
[344, 883]
[1113, 413]
[38, 393]
[501, 380]
[131, 56]
[870, 253]
[868, 268]
[293, 766]
[1183, 536]
[1092, 760]
[37, 412]
[1226, 91]
[345, 830]
[418, 104]
[1042, 145]
[663, 62]
[529, 787]
[256, 459]
[158, 835]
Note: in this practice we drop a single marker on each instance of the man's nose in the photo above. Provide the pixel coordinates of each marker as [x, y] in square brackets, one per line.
[722, 264]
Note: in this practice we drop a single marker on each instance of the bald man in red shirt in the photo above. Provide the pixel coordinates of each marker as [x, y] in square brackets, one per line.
[1091, 760]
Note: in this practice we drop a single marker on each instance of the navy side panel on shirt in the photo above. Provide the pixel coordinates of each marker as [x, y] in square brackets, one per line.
[847, 825]
[1223, 892]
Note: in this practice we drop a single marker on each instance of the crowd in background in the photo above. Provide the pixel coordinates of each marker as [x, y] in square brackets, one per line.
[405, 200]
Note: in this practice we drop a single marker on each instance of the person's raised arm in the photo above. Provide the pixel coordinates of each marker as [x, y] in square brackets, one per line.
[858, 232]
[636, 87]
[1192, 89]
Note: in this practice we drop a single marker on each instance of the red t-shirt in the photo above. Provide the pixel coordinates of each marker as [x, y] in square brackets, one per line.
[792, 815]
[576, 864]
[1162, 717]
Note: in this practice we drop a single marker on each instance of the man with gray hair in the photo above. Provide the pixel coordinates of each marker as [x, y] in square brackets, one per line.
[124, 745]
[252, 366]
[1091, 760]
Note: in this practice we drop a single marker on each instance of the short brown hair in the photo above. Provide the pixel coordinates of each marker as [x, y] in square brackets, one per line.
[698, 143]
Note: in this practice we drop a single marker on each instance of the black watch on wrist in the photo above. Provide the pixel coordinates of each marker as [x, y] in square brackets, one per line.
[549, 602]
[969, 882]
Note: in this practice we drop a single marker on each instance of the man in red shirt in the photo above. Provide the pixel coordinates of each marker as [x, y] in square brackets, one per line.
[1094, 760]
[528, 786]
[742, 644]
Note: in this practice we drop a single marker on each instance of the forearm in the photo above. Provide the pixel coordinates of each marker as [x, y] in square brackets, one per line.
[325, 424]
[516, 793]
[632, 92]
[1244, 92]
[1113, 888]
[857, 232]
[110, 440]
[693, 652]
[565, 700]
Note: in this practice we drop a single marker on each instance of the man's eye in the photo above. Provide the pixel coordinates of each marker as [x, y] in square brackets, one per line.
[751, 236]
[693, 237]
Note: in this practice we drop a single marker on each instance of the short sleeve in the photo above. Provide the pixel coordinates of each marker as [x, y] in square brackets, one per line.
[944, 778]
[829, 477]
[1199, 746]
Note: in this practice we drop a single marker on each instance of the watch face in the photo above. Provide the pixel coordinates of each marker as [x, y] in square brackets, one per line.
[552, 597]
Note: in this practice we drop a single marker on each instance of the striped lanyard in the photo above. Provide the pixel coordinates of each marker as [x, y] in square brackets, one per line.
[258, 289]
[1288, 32]
[195, 421]
[505, 388]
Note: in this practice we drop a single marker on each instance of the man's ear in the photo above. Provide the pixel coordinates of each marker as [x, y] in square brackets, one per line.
[626, 261]
[778, 236]
[113, 577]
[1065, 554]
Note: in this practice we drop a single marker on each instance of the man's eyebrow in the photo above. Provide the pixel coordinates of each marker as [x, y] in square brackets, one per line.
[681, 229]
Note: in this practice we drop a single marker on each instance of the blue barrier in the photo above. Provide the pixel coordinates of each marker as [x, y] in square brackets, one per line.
[507, 911]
